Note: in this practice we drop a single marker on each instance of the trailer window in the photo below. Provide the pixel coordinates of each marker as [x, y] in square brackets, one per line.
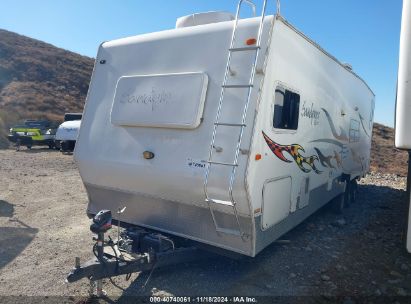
[286, 109]
[354, 130]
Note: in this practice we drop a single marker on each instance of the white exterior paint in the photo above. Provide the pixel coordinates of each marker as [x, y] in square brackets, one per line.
[166, 192]
[403, 104]
[68, 130]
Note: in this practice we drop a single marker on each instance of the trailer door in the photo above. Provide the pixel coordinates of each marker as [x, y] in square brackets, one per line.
[277, 192]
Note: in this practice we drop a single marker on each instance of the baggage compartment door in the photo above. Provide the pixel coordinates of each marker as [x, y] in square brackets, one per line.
[276, 201]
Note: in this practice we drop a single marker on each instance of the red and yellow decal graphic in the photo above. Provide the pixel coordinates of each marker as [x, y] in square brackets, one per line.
[294, 151]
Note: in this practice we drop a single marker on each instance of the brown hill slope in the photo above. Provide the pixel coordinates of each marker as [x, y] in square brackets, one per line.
[385, 157]
[38, 80]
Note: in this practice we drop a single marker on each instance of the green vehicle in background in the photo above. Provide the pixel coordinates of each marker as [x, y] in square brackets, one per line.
[33, 133]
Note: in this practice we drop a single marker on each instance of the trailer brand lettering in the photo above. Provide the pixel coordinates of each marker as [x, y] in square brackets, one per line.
[309, 112]
[153, 99]
[293, 150]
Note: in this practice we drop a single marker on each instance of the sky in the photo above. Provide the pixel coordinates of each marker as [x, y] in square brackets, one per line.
[364, 33]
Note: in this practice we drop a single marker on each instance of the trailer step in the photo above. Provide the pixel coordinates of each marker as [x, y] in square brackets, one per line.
[219, 163]
[246, 48]
[229, 231]
[220, 202]
[237, 86]
[229, 124]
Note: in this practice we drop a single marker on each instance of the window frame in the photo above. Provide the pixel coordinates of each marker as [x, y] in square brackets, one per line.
[279, 84]
[354, 134]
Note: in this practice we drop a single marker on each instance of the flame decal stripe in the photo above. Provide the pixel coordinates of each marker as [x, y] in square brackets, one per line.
[294, 151]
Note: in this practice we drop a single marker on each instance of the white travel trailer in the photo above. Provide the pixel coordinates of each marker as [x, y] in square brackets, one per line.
[403, 104]
[67, 132]
[223, 131]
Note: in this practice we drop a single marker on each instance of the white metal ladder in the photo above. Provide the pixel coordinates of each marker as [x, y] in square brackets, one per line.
[249, 86]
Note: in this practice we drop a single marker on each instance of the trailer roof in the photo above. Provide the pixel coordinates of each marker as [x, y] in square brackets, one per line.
[160, 34]
[281, 18]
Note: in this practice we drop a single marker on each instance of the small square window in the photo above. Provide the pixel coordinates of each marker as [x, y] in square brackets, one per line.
[354, 130]
[286, 109]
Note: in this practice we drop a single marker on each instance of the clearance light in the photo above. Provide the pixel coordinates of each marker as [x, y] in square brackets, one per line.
[148, 155]
[251, 41]
[258, 156]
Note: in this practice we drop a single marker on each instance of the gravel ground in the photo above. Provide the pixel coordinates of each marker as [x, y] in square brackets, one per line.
[43, 226]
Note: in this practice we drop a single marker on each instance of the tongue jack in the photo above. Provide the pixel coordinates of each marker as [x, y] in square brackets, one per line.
[119, 212]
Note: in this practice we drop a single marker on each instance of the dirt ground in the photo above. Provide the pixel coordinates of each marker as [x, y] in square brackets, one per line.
[43, 227]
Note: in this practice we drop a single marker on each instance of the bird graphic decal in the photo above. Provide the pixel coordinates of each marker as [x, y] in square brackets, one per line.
[294, 151]
[362, 124]
[325, 160]
[342, 136]
[338, 159]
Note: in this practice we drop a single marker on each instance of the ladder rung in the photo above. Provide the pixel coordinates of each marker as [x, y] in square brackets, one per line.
[229, 124]
[220, 202]
[245, 48]
[223, 164]
[229, 231]
[237, 86]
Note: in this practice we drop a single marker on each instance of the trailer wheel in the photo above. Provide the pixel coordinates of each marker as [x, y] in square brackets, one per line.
[18, 143]
[338, 203]
[348, 195]
[353, 191]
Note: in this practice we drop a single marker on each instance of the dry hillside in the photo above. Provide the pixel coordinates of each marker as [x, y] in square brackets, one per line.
[38, 80]
[385, 157]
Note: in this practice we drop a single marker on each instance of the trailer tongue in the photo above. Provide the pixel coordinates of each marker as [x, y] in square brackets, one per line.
[135, 250]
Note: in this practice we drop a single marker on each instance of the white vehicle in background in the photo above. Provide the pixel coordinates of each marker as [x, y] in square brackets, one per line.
[67, 132]
[403, 103]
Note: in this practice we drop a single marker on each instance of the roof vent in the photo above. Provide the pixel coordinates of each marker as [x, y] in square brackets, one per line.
[203, 18]
[347, 66]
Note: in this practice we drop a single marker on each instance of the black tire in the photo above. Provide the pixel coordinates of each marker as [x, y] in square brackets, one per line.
[347, 195]
[51, 146]
[353, 191]
[29, 147]
[338, 203]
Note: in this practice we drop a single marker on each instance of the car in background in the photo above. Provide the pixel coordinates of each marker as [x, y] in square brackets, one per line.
[33, 133]
[67, 132]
